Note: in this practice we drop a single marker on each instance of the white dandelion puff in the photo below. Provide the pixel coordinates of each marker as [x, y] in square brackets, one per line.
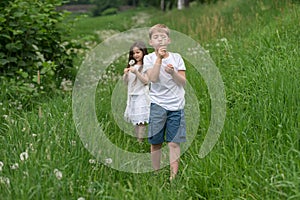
[4, 180]
[131, 62]
[15, 166]
[24, 156]
[92, 161]
[73, 142]
[108, 161]
[1, 165]
[81, 198]
[58, 174]
[223, 40]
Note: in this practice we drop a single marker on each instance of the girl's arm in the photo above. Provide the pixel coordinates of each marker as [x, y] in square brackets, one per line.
[125, 76]
[142, 77]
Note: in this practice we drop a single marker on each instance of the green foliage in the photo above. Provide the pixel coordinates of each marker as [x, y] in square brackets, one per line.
[30, 41]
[110, 11]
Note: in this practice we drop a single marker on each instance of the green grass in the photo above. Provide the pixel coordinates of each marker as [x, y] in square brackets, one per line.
[255, 45]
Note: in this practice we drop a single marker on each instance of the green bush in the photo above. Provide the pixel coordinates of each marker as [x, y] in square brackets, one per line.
[110, 11]
[31, 42]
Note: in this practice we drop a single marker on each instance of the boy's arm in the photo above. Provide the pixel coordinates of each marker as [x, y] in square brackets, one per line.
[153, 73]
[179, 77]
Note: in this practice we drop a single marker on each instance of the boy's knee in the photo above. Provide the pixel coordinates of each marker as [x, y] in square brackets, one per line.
[173, 145]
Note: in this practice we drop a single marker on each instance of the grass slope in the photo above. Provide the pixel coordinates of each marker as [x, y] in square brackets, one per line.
[255, 45]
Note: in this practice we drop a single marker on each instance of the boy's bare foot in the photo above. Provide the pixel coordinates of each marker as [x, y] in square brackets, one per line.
[172, 176]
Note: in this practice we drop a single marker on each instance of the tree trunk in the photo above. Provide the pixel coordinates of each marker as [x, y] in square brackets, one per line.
[180, 4]
[186, 3]
[162, 5]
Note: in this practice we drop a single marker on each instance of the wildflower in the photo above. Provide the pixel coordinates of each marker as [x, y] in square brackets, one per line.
[24, 156]
[66, 85]
[108, 161]
[73, 142]
[131, 62]
[92, 161]
[81, 198]
[223, 40]
[23, 129]
[1, 165]
[58, 174]
[4, 180]
[15, 166]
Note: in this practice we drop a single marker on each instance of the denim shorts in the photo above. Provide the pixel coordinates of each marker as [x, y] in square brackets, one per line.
[165, 125]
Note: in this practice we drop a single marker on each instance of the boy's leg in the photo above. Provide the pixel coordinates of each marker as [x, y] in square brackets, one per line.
[174, 149]
[155, 156]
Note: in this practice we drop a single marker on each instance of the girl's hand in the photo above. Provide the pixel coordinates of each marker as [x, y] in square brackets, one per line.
[169, 69]
[132, 69]
[126, 70]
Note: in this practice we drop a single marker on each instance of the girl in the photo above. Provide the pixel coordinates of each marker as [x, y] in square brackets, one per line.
[138, 100]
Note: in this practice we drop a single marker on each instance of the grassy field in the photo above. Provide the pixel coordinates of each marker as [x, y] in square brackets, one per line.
[254, 44]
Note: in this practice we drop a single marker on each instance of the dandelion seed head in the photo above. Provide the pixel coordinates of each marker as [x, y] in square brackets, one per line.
[92, 161]
[223, 40]
[24, 156]
[131, 62]
[73, 142]
[4, 180]
[14, 166]
[1, 165]
[81, 198]
[108, 161]
[58, 174]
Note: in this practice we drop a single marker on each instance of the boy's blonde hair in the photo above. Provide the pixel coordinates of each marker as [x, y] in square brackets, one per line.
[159, 28]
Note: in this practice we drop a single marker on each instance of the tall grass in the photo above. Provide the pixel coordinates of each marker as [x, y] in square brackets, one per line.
[255, 45]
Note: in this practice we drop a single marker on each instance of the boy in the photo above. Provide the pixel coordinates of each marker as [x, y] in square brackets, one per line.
[166, 71]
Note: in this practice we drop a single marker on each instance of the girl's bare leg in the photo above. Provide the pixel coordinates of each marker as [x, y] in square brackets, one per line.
[141, 132]
[174, 149]
[155, 156]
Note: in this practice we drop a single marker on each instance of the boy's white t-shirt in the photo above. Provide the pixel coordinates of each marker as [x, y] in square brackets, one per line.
[165, 92]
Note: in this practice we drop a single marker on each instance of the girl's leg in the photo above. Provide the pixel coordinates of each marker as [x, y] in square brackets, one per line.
[155, 155]
[141, 132]
[136, 130]
[174, 149]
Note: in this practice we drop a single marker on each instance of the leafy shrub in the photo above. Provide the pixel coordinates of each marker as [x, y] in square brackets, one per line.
[109, 11]
[31, 42]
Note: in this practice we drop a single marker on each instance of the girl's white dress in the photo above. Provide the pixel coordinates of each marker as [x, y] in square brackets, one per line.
[138, 100]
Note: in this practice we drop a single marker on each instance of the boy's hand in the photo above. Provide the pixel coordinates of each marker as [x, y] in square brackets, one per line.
[162, 51]
[169, 69]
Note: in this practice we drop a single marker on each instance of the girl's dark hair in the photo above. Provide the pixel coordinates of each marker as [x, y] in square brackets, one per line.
[141, 45]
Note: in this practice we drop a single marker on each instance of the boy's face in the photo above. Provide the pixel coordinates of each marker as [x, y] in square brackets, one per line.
[159, 39]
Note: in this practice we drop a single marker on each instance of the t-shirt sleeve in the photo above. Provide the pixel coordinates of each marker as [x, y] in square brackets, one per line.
[181, 65]
[147, 62]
